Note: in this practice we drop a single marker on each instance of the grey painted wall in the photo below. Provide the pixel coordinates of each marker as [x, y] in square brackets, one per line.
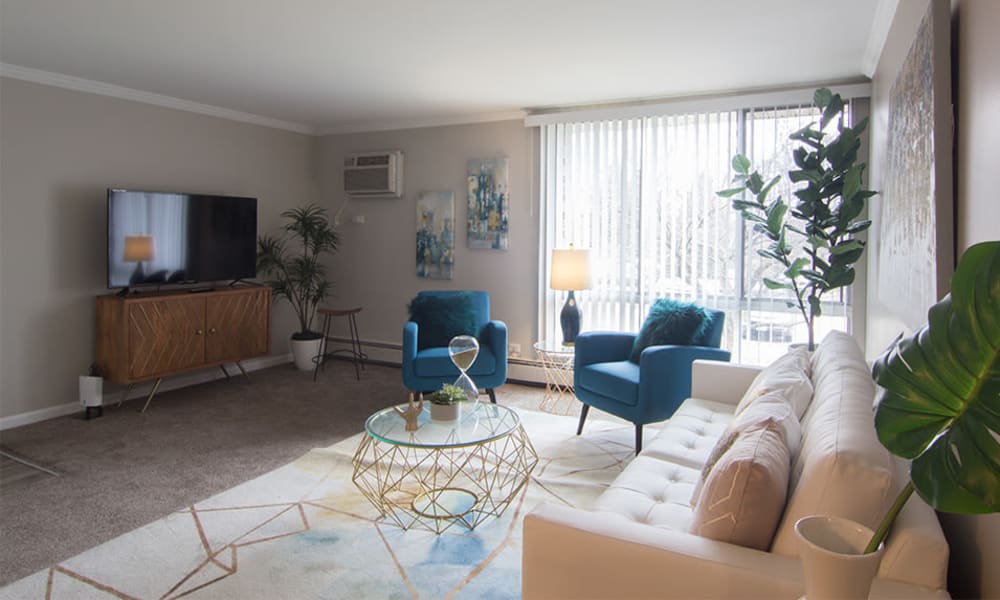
[376, 266]
[60, 149]
[975, 539]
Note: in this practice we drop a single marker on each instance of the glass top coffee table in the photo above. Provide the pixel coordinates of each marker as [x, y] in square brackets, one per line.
[443, 474]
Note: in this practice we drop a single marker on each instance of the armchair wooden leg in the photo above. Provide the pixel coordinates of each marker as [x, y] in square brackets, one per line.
[583, 417]
[493, 396]
[638, 439]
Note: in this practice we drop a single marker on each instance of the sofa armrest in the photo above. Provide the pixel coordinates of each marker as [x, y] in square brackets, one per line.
[573, 553]
[720, 381]
[602, 346]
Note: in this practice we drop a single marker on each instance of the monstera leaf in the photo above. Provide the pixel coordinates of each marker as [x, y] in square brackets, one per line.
[940, 402]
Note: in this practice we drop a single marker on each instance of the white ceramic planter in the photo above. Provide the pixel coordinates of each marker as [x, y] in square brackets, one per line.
[445, 413]
[833, 561]
[304, 353]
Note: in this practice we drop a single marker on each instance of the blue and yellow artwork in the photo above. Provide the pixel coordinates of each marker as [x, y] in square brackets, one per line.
[489, 203]
[436, 235]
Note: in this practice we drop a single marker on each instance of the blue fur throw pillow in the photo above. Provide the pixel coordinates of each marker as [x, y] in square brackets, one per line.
[440, 318]
[670, 323]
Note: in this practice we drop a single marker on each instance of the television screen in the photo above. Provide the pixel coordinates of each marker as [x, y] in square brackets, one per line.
[159, 238]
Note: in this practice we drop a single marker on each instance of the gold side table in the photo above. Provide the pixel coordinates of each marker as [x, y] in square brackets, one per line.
[557, 364]
[444, 474]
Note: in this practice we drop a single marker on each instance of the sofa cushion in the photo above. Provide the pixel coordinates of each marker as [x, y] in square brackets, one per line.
[771, 410]
[670, 323]
[789, 374]
[618, 380]
[691, 433]
[841, 470]
[440, 318]
[651, 491]
[745, 492]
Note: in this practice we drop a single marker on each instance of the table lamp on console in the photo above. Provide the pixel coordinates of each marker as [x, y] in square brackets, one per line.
[570, 272]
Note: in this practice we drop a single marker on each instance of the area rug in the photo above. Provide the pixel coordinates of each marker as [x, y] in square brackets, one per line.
[305, 531]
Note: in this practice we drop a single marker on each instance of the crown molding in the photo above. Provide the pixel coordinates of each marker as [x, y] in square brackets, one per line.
[393, 125]
[116, 91]
[879, 32]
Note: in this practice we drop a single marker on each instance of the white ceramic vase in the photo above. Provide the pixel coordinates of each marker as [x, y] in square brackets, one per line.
[445, 413]
[304, 353]
[833, 560]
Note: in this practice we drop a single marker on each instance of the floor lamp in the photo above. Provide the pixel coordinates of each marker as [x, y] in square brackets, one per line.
[570, 271]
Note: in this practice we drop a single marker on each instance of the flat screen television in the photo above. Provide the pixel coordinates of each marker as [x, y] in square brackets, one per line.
[157, 238]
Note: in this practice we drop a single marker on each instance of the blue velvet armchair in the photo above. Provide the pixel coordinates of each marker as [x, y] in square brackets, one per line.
[641, 393]
[426, 370]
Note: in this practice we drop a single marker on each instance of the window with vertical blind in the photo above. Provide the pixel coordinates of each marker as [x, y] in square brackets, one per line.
[641, 194]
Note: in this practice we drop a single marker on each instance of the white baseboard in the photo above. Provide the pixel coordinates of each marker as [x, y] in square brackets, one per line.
[141, 390]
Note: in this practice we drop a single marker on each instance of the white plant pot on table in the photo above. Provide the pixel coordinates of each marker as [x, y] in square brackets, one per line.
[445, 413]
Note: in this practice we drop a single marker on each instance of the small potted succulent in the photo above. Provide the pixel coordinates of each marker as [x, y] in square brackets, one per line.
[446, 403]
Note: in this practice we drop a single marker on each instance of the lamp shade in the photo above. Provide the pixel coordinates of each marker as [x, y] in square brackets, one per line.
[570, 269]
[138, 248]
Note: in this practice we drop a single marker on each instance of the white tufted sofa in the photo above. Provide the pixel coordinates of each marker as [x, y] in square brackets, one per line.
[634, 541]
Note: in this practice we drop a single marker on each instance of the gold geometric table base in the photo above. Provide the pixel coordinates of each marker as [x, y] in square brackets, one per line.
[434, 488]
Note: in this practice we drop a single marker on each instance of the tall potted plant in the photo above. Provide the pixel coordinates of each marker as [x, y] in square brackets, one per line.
[938, 405]
[292, 264]
[814, 241]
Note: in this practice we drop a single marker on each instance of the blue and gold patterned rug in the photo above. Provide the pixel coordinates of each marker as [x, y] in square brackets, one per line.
[305, 531]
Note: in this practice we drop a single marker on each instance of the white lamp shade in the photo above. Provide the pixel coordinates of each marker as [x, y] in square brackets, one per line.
[138, 248]
[570, 269]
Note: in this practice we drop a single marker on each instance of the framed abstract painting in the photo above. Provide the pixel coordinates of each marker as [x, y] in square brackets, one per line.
[489, 203]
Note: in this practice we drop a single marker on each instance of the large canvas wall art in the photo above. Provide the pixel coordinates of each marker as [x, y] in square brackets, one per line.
[489, 203]
[436, 235]
[907, 256]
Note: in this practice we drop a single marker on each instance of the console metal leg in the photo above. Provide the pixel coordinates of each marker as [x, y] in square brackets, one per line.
[125, 394]
[152, 393]
[320, 358]
[239, 366]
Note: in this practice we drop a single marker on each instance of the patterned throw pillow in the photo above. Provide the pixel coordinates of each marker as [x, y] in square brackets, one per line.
[745, 492]
[670, 323]
[770, 410]
[440, 318]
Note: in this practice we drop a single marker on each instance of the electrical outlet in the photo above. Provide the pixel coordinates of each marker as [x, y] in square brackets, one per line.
[514, 350]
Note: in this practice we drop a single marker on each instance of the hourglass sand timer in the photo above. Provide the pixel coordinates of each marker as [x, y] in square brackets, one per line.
[463, 350]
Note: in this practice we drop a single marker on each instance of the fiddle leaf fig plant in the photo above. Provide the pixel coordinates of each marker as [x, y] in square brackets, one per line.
[814, 240]
[293, 263]
[939, 402]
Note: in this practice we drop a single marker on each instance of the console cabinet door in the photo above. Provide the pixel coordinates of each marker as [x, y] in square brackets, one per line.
[237, 325]
[165, 335]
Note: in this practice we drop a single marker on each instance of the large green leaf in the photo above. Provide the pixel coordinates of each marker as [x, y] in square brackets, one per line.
[940, 397]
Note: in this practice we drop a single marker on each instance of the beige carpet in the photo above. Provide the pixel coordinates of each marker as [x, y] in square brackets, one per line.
[305, 531]
[125, 469]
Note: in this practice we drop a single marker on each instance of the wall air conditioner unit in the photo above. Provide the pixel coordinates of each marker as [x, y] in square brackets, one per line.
[374, 174]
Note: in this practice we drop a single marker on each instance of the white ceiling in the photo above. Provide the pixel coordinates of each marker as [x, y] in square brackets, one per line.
[339, 65]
